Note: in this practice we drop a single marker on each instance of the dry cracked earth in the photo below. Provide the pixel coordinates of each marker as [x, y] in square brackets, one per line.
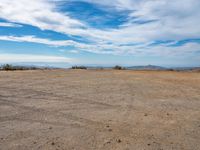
[99, 110]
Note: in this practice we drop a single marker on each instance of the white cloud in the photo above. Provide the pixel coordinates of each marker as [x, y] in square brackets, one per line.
[175, 20]
[56, 43]
[142, 49]
[74, 51]
[71, 51]
[34, 39]
[15, 58]
[39, 13]
[7, 24]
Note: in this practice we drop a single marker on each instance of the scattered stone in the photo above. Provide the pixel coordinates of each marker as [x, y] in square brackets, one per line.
[107, 126]
[110, 130]
[167, 114]
[34, 142]
[108, 142]
[145, 114]
[119, 141]
[1, 138]
[148, 144]
[50, 128]
[52, 143]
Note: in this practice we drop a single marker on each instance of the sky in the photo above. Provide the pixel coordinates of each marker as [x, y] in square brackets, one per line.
[100, 32]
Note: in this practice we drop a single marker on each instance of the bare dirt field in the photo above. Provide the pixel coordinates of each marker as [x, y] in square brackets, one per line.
[99, 110]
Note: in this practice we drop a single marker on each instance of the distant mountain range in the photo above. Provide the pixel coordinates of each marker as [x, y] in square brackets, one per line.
[148, 67]
[152, 67]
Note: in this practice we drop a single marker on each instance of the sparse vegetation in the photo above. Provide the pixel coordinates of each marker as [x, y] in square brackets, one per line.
[119, 68]
[8, 67]
[79, 67]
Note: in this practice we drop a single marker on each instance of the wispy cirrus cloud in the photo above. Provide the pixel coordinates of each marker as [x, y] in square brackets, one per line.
[54, 43]
[45, 15]
[8, 24]
[39, 13]
[14, 58]
[146, 21]
[152, 48]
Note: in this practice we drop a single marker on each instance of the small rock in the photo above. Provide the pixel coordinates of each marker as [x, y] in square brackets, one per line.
[148, 144]
[50, 128]
[108, 142]
[145, 114]
[119, 141]
[52, 143]
[110, 130]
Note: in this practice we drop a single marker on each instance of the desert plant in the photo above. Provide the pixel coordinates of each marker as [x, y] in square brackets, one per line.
[171, 69]
[7, 67]
[79, 67]
[117, 67]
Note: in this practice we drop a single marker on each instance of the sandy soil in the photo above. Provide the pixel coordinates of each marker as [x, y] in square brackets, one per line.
[99, 110]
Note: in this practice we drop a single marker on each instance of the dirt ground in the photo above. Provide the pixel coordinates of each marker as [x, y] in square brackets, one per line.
[99, 110]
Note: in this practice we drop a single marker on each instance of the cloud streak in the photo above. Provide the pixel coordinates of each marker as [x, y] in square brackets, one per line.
[7, 24]
[163, 49]
[15, 58]
[149, 21]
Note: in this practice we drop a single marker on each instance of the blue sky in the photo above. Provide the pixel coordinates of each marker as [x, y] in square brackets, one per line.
[103, 33]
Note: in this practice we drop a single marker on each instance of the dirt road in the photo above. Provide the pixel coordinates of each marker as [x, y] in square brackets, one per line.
[99, 110]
